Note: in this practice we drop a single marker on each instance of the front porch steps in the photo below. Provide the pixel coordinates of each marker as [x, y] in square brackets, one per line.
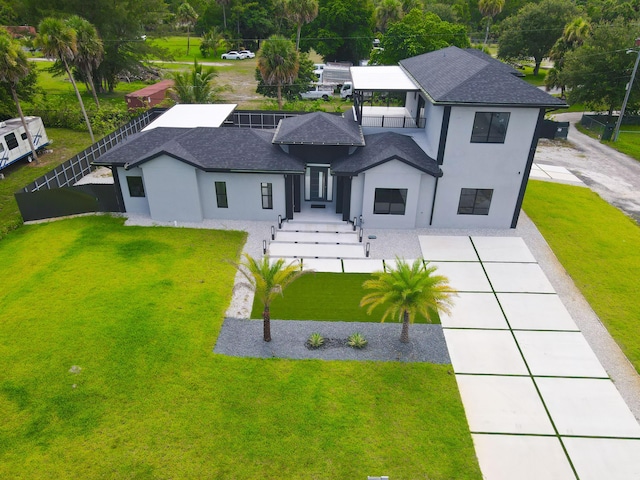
[304, 239]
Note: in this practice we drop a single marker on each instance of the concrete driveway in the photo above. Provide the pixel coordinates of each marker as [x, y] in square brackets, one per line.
[611, 174]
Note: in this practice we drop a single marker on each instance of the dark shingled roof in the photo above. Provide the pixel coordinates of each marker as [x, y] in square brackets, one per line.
[209, 149]
[319, 128]
[383, 147]
[498, 64]
[456, 76]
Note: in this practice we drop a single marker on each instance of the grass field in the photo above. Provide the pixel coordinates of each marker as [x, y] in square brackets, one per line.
[599, 251]
[628, 140]
[138, 310]
[325, 296]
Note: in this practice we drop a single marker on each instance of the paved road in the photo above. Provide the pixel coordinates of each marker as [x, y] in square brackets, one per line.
[611, 174]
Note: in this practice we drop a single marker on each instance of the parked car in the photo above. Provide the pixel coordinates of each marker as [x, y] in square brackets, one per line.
[248, 53]
[318, 91]
[233, 55]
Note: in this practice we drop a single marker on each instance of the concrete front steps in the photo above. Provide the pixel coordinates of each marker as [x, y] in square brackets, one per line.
[303, 239]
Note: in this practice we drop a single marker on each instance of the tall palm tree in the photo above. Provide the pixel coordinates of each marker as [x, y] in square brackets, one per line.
[13, 68]
[576, 31]
[187, 16]
[407, 291]
[224, 4]
[489, 9]
[386, 12]
[269, 279]
[301, 12]
[278, 63]
[90, 51]
[58, 40]
[195, 86]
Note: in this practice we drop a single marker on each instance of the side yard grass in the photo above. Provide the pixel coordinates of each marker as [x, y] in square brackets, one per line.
[598, 246]
[325, 296]
[106, 338]
[65, 144]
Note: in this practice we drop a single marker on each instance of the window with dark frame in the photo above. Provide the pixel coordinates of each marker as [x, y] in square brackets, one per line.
[24, 136]
[475, 201]
[136, 187]
[11, 140]
[490, 127]
[221, 194]
[267, 196]
[390, 201]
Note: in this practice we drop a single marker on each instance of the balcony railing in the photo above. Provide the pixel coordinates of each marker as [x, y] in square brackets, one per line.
[391, 121]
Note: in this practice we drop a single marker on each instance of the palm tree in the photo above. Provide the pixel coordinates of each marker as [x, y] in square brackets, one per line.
[576, 32]
[269, 279]
[58, 40]
[187, 16]
[224, 3]
[13, 68]
[212, 41]
[407, 291]
[301, 12]
[90, 51]
[388, 11]
[195, 86]
[489, 9]
[278, 63]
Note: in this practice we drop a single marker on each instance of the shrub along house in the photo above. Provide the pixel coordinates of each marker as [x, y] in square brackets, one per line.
[455, 151]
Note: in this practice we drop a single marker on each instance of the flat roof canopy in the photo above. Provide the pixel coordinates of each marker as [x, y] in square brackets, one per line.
[192, 116]
[381, 77]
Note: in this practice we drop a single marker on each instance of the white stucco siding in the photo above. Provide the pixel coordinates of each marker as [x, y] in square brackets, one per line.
[496, 166]
[411, 103]
[244, 197]
[433, 125]
[138, 205]
[425, 200]
[357, 190]
[392, 174]
[172, 190]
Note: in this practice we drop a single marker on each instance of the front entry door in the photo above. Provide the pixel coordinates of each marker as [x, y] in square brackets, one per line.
[317, 183]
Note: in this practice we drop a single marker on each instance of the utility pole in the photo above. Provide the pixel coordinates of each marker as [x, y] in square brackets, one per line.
[616, 130]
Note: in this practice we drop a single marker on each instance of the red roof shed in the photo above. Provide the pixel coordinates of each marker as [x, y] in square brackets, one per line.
[148, 97]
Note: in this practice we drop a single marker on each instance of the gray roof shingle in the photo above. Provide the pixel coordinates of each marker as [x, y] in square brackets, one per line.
[456, 76]
[383, 147]
[210, 149]
[319, 128]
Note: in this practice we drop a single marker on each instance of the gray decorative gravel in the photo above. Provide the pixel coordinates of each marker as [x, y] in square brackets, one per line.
[243, 338]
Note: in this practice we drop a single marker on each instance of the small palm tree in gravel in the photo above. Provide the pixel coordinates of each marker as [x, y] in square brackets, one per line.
[269, 279]
[408, 290]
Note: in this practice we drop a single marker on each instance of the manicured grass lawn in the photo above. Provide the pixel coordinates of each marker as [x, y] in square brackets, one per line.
[598, 246]
[66, 143]
[139, 309]
[325, 296]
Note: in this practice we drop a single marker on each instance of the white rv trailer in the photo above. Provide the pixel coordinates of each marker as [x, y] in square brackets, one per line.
[14, 144]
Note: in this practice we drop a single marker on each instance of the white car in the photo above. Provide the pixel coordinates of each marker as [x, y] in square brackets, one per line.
[248, 53]
[233, 55]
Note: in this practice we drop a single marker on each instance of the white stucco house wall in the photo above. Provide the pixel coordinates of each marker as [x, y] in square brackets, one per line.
[454, 150]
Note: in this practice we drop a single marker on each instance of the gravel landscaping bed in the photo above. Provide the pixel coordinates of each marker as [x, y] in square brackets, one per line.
[243, 338]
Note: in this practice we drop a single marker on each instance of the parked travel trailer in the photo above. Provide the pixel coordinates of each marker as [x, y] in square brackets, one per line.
[14, 144]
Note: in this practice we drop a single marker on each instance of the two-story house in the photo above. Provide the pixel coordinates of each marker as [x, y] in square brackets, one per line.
[445, 139]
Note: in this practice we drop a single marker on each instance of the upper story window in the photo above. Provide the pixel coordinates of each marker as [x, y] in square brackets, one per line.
[136, 187]
[490, 127]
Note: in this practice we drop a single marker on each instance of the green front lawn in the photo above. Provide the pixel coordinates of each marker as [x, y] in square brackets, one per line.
[325, 296]
[598, 246]
[139, 310]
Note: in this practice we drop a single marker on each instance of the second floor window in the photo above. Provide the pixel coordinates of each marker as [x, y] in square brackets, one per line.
[490, 127]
